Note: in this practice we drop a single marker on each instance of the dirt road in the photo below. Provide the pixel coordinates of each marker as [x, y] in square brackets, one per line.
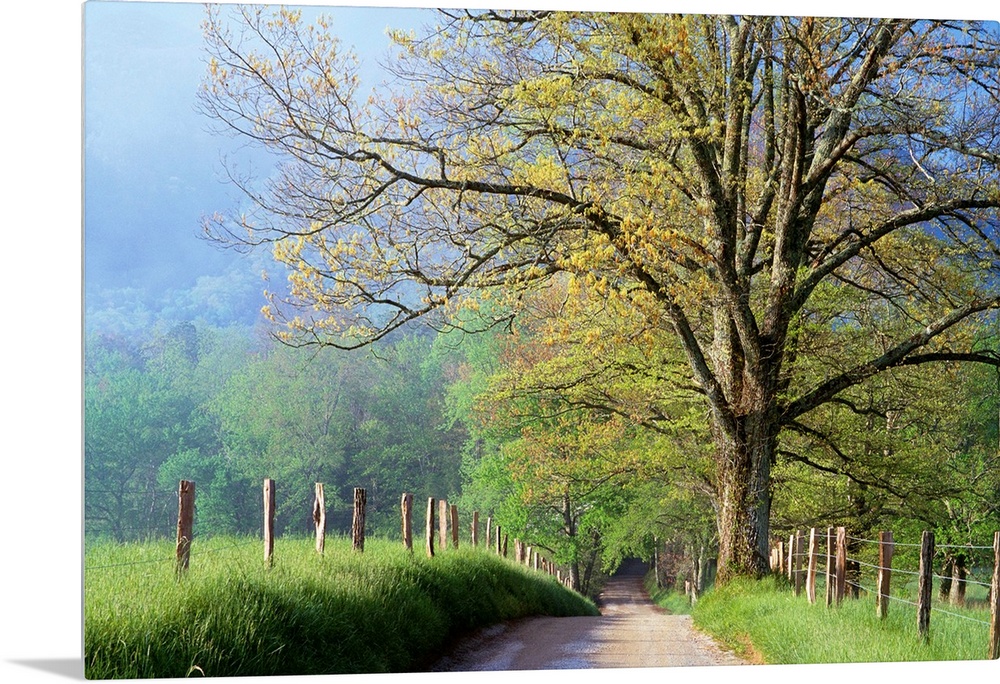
[631, 632]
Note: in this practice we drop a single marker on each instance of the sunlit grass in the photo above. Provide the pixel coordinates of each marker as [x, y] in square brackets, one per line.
[672, 601]
[381, 611]
[766, 621]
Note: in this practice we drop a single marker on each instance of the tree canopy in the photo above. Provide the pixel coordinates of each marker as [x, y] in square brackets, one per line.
[751, 192]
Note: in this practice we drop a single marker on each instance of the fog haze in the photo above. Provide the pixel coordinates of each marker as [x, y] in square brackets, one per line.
[153, 167]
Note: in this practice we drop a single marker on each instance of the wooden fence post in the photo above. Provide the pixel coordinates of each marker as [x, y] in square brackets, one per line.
[994, 650]
[489, 531]
[798, 563]
[430, 528]
[358, 521]
[406, 510]
[475, 529]
[885, 548]
[924, 585]
[781, 557]
[319, 518]
[830, 571]
[185, 524]
[841, 564]
[811, 576]
[791, 558]
[499, 540]
[454, 526]
[268, 521]
[504, 547]
[443, 524]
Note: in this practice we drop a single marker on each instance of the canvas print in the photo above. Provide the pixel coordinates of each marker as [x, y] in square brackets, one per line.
[453, 339]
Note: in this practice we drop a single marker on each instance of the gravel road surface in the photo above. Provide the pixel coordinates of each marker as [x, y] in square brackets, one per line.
[630, 632]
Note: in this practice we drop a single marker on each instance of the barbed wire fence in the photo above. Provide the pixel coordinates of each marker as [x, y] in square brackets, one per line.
[969, 579]
[441, 531]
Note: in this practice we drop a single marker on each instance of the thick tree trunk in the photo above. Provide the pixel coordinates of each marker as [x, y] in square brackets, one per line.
[744, 498]
[569, 527]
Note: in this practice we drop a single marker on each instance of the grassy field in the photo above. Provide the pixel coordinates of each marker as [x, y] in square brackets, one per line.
[766, 623]
[381, 611]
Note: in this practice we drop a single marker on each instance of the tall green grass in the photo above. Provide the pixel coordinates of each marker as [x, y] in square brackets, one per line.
[765, 621]
[665, 597]
[385, 610]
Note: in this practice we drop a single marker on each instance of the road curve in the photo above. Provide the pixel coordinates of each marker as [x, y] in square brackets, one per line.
[630, 632]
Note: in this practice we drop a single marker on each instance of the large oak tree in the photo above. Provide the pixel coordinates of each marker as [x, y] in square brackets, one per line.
[712, 173]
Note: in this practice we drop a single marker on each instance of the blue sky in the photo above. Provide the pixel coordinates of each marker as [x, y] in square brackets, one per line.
[152, 168]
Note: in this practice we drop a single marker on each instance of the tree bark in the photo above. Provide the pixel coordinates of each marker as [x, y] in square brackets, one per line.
[744, 498]
[569, 526]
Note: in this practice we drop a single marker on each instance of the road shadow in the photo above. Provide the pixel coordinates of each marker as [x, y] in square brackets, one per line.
[623, 587]
[632, 567]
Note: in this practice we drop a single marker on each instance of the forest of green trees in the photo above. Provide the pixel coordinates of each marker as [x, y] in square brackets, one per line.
[463, 417]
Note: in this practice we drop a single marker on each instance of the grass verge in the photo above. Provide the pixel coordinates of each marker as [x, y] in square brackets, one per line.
[765, 622]
[381, 611]
[673, 602]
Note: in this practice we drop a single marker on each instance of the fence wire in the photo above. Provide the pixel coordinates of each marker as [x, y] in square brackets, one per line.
[173, 559]
[976, 559]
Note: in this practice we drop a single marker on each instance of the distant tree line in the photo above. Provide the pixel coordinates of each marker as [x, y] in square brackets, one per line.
[507, 423]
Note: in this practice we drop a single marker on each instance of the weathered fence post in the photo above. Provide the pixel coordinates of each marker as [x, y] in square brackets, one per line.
[319, 518]
[430, 528]
[268, 521]
[358, 521]
[454, 526]
[475, 529]
[499, 540]
[504, 547]
[791, 558]
[994, 650]
[406, 511]
[798, 563]
[781, 557]
[924, 585]
[811, 576]
[830, 571]
[489, 531]
[841, 564]
[443, 524]
[185, 524]
[885, 548]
